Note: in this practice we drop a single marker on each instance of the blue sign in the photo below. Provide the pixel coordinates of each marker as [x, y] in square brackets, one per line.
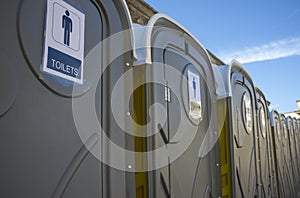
[63, 63]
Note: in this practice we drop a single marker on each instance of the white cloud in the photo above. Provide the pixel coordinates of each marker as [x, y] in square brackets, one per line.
[270, 51]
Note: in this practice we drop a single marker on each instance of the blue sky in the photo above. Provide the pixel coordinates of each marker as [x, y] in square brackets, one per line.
[262, 34]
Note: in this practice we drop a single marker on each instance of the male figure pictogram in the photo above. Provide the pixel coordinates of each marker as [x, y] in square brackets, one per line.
[194, 87]
[67, 26]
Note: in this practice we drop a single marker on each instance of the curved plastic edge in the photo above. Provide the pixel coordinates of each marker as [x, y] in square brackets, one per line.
[283, 118]
[126, 19]
[261, 96]
[223, 77]
[144, 35]
[237, 66]
[289, 118]
[295, 123]
[126, 12]
[260, 93]
[272, 116]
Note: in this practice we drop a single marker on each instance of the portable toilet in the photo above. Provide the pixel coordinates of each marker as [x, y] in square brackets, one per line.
[266, 154]
[239, 130]
[298, 127]
[52, 59]
[289, 182]
[176, 75]
[293, 151]
[297, 145]
[281, 173]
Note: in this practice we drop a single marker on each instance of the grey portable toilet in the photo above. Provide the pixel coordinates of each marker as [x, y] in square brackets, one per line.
[281, 172]
[297, 145]
[298, 124]
[272, 159]
[290, 190]
[241, 124]
[182, 121]
[266, 159]
[42, 152]
[293, 152]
